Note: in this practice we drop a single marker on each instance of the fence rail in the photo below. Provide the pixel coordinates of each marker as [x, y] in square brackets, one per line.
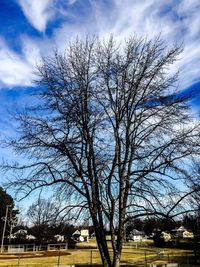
[20, 248]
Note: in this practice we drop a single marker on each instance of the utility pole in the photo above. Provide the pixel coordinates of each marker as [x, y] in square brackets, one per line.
[4, 228]
[12, 222]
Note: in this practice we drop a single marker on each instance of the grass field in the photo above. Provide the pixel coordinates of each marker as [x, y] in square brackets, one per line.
[85, 256]
[76, 256]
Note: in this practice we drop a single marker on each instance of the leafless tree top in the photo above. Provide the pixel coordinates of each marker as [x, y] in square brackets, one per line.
[111, 130]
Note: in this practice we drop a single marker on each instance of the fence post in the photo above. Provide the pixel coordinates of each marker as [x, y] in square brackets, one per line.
[195, 256]
[18, 261]
[145, 258]
[58, 258]
[91, 258]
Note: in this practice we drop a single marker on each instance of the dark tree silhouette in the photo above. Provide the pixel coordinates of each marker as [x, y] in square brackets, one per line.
[8, 216]
[110, 132]
[42, 214]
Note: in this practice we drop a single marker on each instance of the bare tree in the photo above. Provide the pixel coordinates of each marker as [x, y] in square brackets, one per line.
[42, 212]
[194, 184]
[111, 132]
[41, 215]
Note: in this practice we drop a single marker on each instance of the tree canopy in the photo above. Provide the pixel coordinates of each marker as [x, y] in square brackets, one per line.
[42, 214]
[6, 202]
[111, 132]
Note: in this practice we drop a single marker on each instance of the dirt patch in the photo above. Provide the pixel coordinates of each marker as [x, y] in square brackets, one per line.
[34, 255]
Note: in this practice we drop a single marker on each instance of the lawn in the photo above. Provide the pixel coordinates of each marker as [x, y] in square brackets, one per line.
[87, 254]
[76, 256]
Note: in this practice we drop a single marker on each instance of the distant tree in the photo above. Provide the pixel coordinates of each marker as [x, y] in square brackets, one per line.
[134, 224]
[189, 222]
[192, 220]
[158, 239]
[166, 224]
[112, 132]
[150, 224]
[42, 215]
[62, 228]
[6, 202]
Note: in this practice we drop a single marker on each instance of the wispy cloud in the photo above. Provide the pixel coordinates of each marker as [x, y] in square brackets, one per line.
[71, 2]
[40, 12]
[37, 12]
[14, 69]
[177, 21]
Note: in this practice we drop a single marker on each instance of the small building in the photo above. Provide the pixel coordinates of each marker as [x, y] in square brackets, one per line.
[136, 235]
[30, 237]
[82, 235]
[182, 232]
[76, 235]
[188, 234]
[21, 233]
[85, 234]
[59, 238]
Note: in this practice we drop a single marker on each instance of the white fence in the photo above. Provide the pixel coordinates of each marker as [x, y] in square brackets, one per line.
[19, 248]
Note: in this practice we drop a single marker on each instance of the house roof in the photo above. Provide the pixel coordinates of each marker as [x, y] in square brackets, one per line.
[181, 229]
[21, 231]
[77, 232]
[30, 237]
[136, 232]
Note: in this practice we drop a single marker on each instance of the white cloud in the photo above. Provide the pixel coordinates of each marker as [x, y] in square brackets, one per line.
[14, 70]
[38, 12]
[176, 21]
[71, 2]
[31, 50]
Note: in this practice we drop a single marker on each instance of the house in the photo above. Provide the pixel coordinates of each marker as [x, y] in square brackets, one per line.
[92, 235]
[76, 235]
[59, 238]
[85, 234]
[188, 234]
[30, 237]
[136, 235]
[182, 232]
[82, 235]
[22, 234]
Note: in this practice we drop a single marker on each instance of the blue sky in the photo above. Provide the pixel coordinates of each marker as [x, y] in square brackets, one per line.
[30, 29]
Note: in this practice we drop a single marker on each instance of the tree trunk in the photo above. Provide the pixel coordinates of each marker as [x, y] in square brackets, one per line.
[103, 249]
[101, 242]
[116, 260]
